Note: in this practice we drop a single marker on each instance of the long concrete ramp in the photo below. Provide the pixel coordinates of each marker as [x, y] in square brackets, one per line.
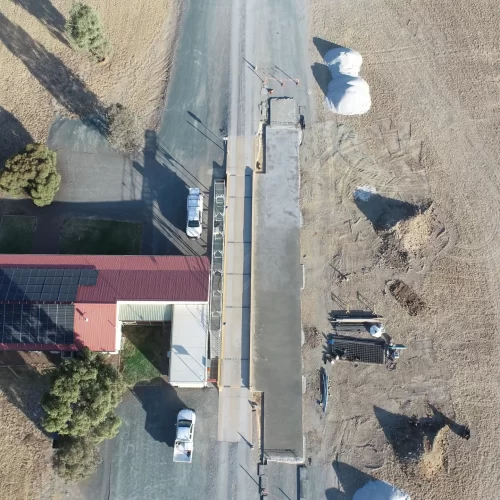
[276, 288]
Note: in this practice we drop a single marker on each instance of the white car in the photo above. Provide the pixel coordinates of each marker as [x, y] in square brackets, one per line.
[183, 446]
[194, 226]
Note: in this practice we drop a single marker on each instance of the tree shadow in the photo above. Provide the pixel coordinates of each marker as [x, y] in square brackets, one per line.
[48, 15]
[384, 213]
[161, 404]
[407, 435]
[23, 384]
[64, 85]
[13, 136]
[351, 480]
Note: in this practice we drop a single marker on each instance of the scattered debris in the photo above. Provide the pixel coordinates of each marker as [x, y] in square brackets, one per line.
[391, 254]
[406, 297]
[314, 338]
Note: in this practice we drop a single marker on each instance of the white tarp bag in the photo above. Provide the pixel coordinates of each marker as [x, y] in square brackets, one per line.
[348, 93]
[377, 330]
[380, 490]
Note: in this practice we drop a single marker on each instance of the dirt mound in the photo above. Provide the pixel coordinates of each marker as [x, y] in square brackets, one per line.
[406, 297]
[414, 233]
[435, 456]
[313, 338]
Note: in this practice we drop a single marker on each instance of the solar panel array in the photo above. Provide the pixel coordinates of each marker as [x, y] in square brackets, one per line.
[36, 323]
[43, 285]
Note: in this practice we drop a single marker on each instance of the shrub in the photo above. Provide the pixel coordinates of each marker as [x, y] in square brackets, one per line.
[83, 397]
[84, 29]
[124, 130]
[80, 406]
[76, 459]
[32, 172]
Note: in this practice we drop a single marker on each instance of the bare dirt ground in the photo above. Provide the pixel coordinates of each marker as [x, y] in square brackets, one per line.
[42, 75]
[431, 137]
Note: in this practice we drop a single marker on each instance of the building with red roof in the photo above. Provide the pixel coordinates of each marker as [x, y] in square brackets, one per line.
[66, 302]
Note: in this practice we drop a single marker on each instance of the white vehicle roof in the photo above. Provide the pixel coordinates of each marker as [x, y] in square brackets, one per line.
[186, 414]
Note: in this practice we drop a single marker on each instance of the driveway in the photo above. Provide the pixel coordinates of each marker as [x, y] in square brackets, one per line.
[138, 463]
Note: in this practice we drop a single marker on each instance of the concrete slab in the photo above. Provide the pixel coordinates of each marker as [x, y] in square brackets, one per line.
[239, 186]
[283, 111]
[238, 258]
[237, 290]
[277, 281]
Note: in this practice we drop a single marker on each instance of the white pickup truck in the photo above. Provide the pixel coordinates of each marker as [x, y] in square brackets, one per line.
[194, 225]
[183, 446]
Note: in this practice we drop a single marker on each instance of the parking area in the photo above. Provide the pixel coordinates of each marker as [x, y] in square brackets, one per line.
[138, 463]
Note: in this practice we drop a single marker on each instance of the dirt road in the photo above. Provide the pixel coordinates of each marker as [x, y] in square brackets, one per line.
[431, 137]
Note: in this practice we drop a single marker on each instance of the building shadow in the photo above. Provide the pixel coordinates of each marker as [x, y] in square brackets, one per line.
[350, 479]
[13, 136]
[64, 85]
[164, 197]
[384, 213]
[161, 404]
[48, 15]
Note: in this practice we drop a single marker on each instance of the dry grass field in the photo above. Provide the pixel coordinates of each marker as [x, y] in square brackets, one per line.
[42, 75]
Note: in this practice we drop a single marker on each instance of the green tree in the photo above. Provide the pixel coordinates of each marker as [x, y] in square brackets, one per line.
[76, 459]
[84, 29]
[124, 131]
[32, 172]
[80, 406]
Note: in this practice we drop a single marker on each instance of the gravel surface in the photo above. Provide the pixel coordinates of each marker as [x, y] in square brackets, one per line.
[432, 135]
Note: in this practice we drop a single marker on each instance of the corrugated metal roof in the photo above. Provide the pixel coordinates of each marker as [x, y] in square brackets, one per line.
[130, 277]
[188, 357]
[145, 312]
[99, 332]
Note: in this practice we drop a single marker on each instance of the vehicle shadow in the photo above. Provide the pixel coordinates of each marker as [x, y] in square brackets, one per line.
[161, 405]
[64, 85]
[13, 136]
[48, 15]
[350, 479]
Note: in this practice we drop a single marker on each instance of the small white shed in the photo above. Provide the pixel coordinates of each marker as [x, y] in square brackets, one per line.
[189, 343]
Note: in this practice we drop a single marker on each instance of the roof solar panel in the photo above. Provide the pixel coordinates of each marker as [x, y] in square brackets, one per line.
[36, 324]
[43, 284]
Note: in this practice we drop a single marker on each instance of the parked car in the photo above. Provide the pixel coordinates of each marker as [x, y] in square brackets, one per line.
[194, 226]
[183, 446]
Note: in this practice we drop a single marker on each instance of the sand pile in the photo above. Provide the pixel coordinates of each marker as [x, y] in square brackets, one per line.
[434, 458]
[414, 233]
[348, 94]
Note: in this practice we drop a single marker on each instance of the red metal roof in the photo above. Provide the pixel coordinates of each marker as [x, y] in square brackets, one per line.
[124, 278]
[130, 277]
[99, 332]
